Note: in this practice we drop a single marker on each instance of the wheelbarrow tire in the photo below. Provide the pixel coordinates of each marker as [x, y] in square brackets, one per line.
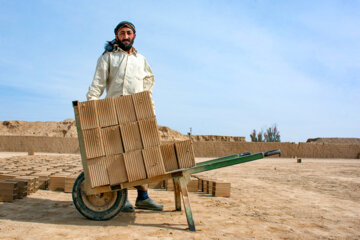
[108, 210]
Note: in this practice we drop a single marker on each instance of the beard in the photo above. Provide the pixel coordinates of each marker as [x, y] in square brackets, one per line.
[125, 46]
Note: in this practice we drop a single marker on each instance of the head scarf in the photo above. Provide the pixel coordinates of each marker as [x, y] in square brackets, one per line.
[124, 24]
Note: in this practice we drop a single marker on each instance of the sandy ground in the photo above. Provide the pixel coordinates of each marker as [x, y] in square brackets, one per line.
[270, 199]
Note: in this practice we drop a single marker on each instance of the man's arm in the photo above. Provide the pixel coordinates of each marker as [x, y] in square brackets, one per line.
[98, 84]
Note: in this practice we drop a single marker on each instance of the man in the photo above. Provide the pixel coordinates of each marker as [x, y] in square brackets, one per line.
[123, 71]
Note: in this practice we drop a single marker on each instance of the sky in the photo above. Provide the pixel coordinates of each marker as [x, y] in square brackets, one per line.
[221, 67]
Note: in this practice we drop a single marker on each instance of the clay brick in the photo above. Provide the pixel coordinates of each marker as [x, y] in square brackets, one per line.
[153, 162]
[131, 137]
[97, 172]
[111, 139]
[57, 183]
[43, 179]
[88, 115]
[135, 167]
[21, 187]
[8, 191]
[116, 169]
[169, 185]
[192, 185]
[221, 189]
[69, 183]
[93, 145]
[106, 112]
[149, 133]
[33, 183]
[211, 187]
[143, 105]
[7, 176]
[169, 157]
[202, 184]
[185, 154]
[125, 110]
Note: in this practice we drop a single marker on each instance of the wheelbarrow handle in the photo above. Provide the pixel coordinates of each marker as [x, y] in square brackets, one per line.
[272, 152]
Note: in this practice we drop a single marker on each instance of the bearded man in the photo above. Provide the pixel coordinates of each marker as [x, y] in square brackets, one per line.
[121, 70]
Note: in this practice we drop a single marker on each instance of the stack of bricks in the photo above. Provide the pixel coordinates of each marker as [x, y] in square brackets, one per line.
[34, 172]
[214, 187]
[8, 190]
[122, 142]
[221, 189]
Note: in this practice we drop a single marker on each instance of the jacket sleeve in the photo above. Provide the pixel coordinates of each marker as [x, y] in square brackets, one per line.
[149, 81]
[149, 78]
[98, 84]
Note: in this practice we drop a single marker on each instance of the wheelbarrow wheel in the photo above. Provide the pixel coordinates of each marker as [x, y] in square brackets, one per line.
[99, 207]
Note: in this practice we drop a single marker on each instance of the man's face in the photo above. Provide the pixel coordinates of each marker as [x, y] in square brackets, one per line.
[126, 36]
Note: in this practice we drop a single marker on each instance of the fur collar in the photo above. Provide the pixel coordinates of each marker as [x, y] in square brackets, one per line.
[112, 46]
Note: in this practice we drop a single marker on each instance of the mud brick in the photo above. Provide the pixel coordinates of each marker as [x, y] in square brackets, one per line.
[93, 145]
[157, 185]
[143, 105]
[69, 183]
[169, 157]
[8, 191]
[22, 187]
[24, 173]
[199, 184]
[33, 183]
[125, 109]
[57, 182]
[185, 154]
[116, 169]
[205, 186]
[43, 179]
[202, 184]
[193, 185]
[97, 172]
[88, 115]
[134, 164]
[131, 137]
[149, 133]
[211, 187]
[153, 162]
[221, 189]
[106, 112]
[111, 139]
[169, 185]
[7, 176]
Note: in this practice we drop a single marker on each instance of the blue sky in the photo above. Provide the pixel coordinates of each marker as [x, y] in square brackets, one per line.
[221, 67]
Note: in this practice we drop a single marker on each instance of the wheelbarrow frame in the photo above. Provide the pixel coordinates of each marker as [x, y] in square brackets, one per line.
[181, 177]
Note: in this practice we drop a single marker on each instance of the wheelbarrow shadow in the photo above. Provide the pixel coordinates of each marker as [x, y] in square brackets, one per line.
[40, 210]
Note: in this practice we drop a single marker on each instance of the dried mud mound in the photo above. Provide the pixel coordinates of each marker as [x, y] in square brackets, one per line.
[335, 140]
[66, 128]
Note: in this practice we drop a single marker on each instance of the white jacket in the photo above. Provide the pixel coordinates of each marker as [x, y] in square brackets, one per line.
[121, 74]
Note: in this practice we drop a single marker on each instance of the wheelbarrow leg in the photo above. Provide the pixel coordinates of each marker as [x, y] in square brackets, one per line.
[187, 206]
[177, 194]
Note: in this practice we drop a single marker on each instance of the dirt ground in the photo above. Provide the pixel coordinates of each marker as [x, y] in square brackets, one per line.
[270, 199]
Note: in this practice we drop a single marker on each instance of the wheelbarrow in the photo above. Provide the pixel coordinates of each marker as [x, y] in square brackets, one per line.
[104, 203]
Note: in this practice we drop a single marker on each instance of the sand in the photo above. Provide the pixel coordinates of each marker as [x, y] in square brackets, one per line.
[270, 199]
